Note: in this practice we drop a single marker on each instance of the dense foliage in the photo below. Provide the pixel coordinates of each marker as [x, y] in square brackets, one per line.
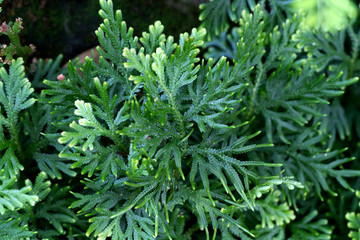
[237, 130]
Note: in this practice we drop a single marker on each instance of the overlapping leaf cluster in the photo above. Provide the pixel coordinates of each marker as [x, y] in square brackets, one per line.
[157, 142]
[30, 208]
[160, 147]
[23, 203]
[295, 97]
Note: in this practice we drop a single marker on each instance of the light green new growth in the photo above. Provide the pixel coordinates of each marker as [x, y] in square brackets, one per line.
[221, 134]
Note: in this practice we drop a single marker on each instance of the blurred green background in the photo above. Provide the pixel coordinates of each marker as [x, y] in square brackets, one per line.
[330, 15]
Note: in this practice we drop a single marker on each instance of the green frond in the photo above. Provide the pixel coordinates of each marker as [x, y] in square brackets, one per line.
[14, 199]
[276, 233]
[114, 37]
[353, 222]
[9, 161]
[202, 207]
[91, 162]
[62, 94]
[154, 38]
[131, 226]
[41, 187]
[225, 10]
[13, 229]
[273, 212]
[87, 129]
[308, 163]
[15, 90]
[49, 70]
[311, 228]
[238, 130]
[53, 165]
[54, 210]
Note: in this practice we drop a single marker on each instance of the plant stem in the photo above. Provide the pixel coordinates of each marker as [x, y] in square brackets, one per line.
[173, 106]
[15, 138]
[254, 92]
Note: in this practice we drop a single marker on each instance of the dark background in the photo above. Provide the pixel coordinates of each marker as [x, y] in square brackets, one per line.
[67, 27]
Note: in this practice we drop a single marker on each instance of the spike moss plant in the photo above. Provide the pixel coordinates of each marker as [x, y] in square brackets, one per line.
[220, 133]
